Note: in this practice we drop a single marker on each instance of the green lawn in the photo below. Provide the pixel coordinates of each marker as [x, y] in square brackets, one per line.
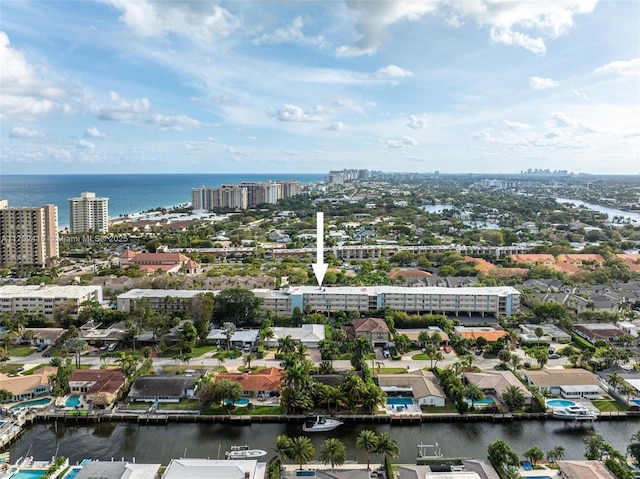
[390, 370]
[170, 368]
[607, 405]
[448, 408]
[11, 368]
[242, 411]
[21, 351]
[29, 372]
[196, 353]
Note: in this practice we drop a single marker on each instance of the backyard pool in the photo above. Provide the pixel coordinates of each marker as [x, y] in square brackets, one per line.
[487, 401]
[34, 402]
[72, 401]
[399, 401]
[73, 473]
[30, 474]
[636, 402]
[240, 402]
[560, 403]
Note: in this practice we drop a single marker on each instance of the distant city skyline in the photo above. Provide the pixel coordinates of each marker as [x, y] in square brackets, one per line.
[148, 86]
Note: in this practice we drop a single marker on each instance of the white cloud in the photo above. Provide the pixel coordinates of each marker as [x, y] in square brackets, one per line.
[202, 21]
[372, 18]
[579, 94]
[20, 132]
[539, 83]
[93, 132]
[481, 135]
[123, 110]
[629, 68]
[337, 126]
[515, 125]
[417, 121]
[27, 93]
[85, 145]
[397, 143]
[393, 71]
[291, 34]
[297, 114]
[348, 104]
[509, 37]
[173, 123]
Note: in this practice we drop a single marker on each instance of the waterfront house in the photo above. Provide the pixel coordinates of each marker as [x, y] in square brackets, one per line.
[172, 388]
[218, 468]
[496, 382]
[568, 383]
[30, 386]
[267, 382]
[117, 470]
[420, 384]
[99, 385]
[584, 470]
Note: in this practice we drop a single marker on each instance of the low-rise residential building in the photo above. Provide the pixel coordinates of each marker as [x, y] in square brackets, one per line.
[496, 382]
[584, 470]
[475, 332]
[581, 259]
[547, 260]
[267, 382]
[98, 386]
[374, 330]
[43, 299]
[169, 300]
[240, 338]
[632, 328]
[420, 384]
[308, 334]
[152, 262]
[30, 386]
[172, 388]
[568, 383]
[218, 468]
[44, 336]
[593, 332]
[551, 332]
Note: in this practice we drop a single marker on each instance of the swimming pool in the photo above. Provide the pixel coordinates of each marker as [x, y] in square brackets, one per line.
[487, 401]
[34, 402]
[537, 477]
[400, 401]
[30, 474]
[560, 403]
[240, 402]
[636, 402]
[72, 401]
[73, 473]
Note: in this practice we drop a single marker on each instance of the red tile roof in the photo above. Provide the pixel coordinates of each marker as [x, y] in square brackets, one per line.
[105, 380]
[270, 379]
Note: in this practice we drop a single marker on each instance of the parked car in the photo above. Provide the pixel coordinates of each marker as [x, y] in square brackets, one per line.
[112, 347]
[479, 352]
[446, 349]
[552, 350]
[554, 356]
[41, 348]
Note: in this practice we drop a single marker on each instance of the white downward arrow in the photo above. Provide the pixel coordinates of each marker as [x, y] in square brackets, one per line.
[319, 267]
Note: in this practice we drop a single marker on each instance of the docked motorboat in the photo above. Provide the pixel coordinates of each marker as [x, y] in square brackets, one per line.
[244, 452]
[320, 424]
[575, 413]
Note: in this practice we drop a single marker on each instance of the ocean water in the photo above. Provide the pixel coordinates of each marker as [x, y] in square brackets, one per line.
[127, 194]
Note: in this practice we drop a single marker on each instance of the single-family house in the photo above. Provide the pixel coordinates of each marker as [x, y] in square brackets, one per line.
[420, 384]
[496, 382]
[375, 330]
[30, 386]
[535, 259]
[118, 470]
[585, 469]
[218, 468]
[475, 332]
[172, 388]
[92, 333]
[308, 334]
[267, 382]
[550, 332]
[46, 336]
[568, 383]
[593, 332]
[240, 338]
[98, 386]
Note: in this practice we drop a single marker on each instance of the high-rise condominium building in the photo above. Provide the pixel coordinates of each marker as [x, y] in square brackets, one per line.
[247, 194]
[28, 235]
[88, 213]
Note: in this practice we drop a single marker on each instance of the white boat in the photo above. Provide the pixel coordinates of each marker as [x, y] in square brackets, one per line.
[243, 452]
[320, 424]
[575, 413]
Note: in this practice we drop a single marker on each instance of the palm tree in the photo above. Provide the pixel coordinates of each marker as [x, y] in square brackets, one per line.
[516, 362]
[473, 393]
[615, 380]
[229, 330]
[246, 360]
[513, 397]
[283, 447]
[387, 446]
[554, 454]
[372, 396]
[367, 440]
[286, 345]
[301, 450]
[333, 452]
[336, 397]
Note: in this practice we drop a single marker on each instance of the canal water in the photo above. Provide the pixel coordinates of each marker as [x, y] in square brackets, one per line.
[610, 212]
[160, 443]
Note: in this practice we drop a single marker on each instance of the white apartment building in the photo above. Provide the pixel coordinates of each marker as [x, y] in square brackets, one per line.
[88, 213]
[28, 235]
[43, 299]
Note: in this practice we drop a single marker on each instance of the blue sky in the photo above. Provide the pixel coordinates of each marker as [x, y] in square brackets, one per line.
[487, 86]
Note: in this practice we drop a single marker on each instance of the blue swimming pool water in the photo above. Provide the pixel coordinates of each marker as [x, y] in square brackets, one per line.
[30, 474]
[240, 402]
[400, 401]
[538, 477]
[72, 401]
[560, 403]
[636, 402]
[483, 402]
[73, 473]
[33, 402]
